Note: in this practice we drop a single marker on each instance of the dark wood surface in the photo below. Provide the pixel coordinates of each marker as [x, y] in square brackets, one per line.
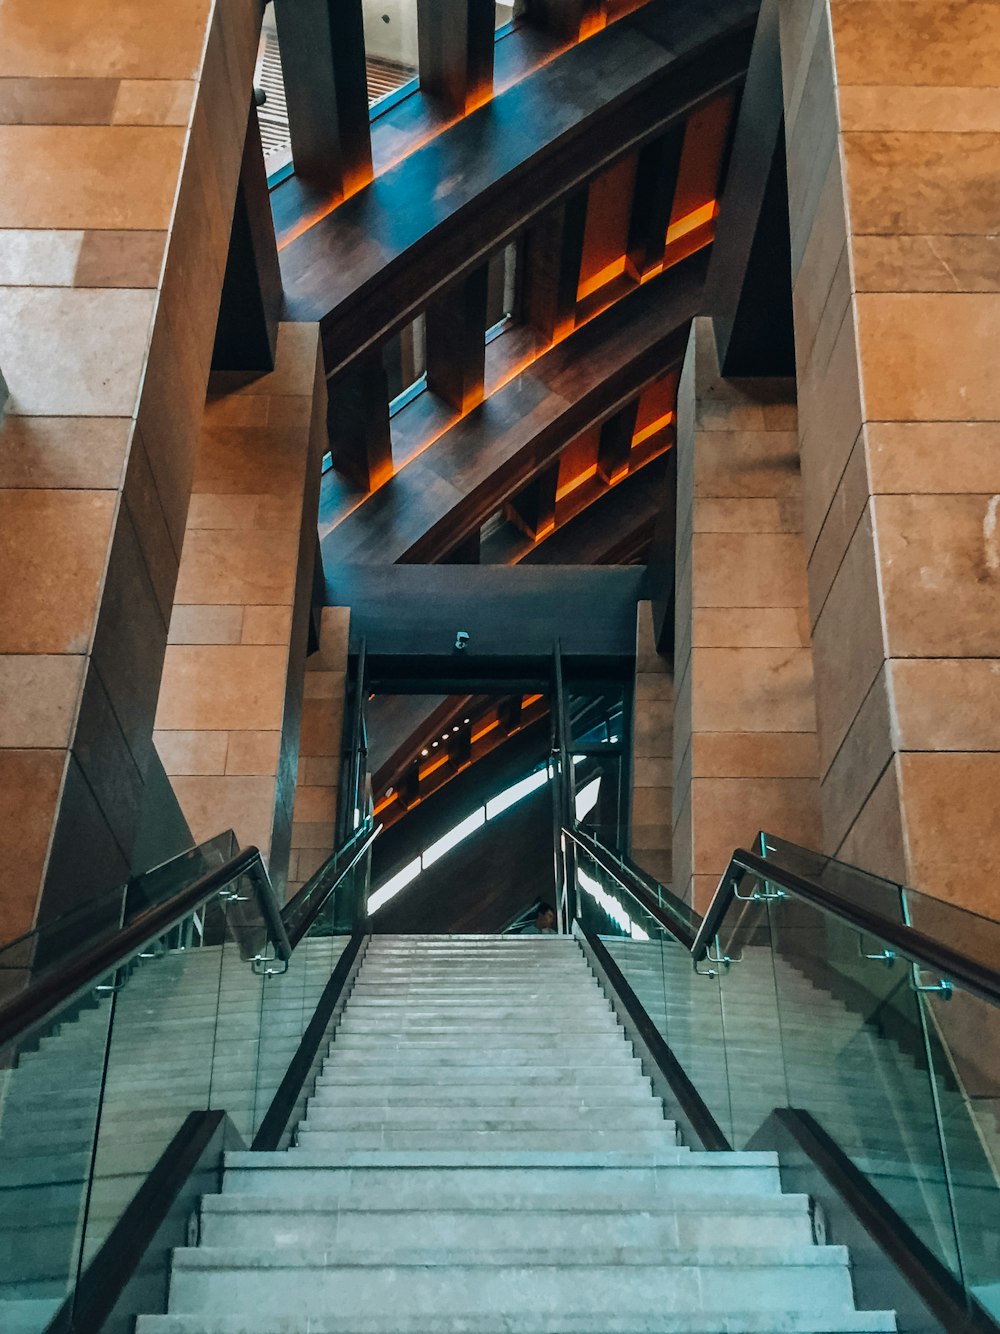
[442, 495]
[358, 422]
[374, 262]
[456, 341]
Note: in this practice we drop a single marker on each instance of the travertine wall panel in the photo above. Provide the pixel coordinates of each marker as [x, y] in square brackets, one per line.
[228, 716]
[652, 755]
[897, 310]
[745, 747]
[124, 136]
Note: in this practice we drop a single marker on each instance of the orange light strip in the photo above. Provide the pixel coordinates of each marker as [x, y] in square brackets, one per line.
[434, 767]
[386, 801]
[576, 482]
[530, 699]
[652, 429]
[600, 279]
[484, 731]
[691, 221]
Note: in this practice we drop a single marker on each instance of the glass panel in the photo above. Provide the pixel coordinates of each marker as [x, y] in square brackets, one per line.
[501, 291]
[684, 1005]
[50, 1091]
[600, 797]
[405, 360]
[390, 46]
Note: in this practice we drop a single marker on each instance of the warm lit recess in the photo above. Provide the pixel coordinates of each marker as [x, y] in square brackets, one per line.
[573, 485]
[601, 279]
[652, 429]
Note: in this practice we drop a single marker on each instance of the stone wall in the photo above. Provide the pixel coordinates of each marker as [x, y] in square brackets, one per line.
[121, 136]
[893, 167]
[229, 711]
[744, 726]
[652, 768]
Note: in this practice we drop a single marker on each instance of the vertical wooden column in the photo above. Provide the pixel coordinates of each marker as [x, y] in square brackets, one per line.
[456, 341]
[358, 422]
[456, 41]
[247, 332]
[322, 45]
[655, 185]
[615, 442]
[552, 256]
[573, 19]
[534, 508]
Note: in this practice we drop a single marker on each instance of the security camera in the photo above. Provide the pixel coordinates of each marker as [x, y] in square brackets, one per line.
[461, 640]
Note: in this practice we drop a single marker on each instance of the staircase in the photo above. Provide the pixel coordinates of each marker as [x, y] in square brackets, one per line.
[482, 1152]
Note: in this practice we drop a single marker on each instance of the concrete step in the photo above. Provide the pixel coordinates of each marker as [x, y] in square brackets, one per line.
[591, 1139]
[490, 1097]
[647, 1115]
[547, 1322]
[344, 1072]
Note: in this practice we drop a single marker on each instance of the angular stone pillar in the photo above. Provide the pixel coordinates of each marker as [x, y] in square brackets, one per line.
[744, 725]
[893, 163]
[652, 748]
[320, 754]
[228, 715]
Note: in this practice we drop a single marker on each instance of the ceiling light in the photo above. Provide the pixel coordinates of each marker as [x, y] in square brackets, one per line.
[425, 751]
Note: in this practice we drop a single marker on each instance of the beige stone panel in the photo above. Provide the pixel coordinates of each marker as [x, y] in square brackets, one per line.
[30, 782]
[154, 102]
[222, 687]
[324, 685]
[755, 463]
[650, 685]
[811, 139]
[859, 763]
[684, 611]
[57, 543]
[920, 108]
[65, 453]
[306, 835]
[249, 460]
[946, 703]
[949, 813]
[39, 697]
[89, 176]
[681, 740]
[940, 572]
[830, 407]
[106, 38]
[253, 753]
[756, 627]
[652, 771]
[842, 519]
[922, 183]
[651, 806]
[38, 258]
[243, 804]
[646, 657]
[682, 850]
[57, 101]
[815, 338]
[205, 625]
[948, 43]
[752, 690]
[653, 727]
[316, 805]
[934, 457]
[798, 21]
[926, 263]
[72, 353]
[294, 367]
[334, 636]
[748, 570]
[287, 412]
[321, 728]
[754, 755]
[282, 512]
[192, 752]
[764, 515]
[320, 771]
[820, 252]
[120, 259]
[913, 373]
[232, 567]
[729, 812]
[875, 840]
[848, 649]
[210, 511]
[267, 625]
[310, 860]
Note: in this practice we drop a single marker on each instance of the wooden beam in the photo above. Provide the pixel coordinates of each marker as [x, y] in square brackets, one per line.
[572, 19]
[456, 42]
[247, 332]
[553, 252]
[358, 422]
[467, 552]
[534, 508]
[655, 185]
[456, 341]
[322, 44]
[615, 444]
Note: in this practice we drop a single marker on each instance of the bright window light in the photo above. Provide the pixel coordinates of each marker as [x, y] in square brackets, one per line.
[392, 887]
[586, 798]
[611, 906]
[516, 793]
[455, 836]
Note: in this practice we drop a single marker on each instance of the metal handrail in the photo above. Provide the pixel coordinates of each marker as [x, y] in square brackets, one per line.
[906, 941]
[367, 835]
[41, 1000]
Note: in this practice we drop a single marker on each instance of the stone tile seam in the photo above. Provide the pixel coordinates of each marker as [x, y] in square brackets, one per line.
[850, 726]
